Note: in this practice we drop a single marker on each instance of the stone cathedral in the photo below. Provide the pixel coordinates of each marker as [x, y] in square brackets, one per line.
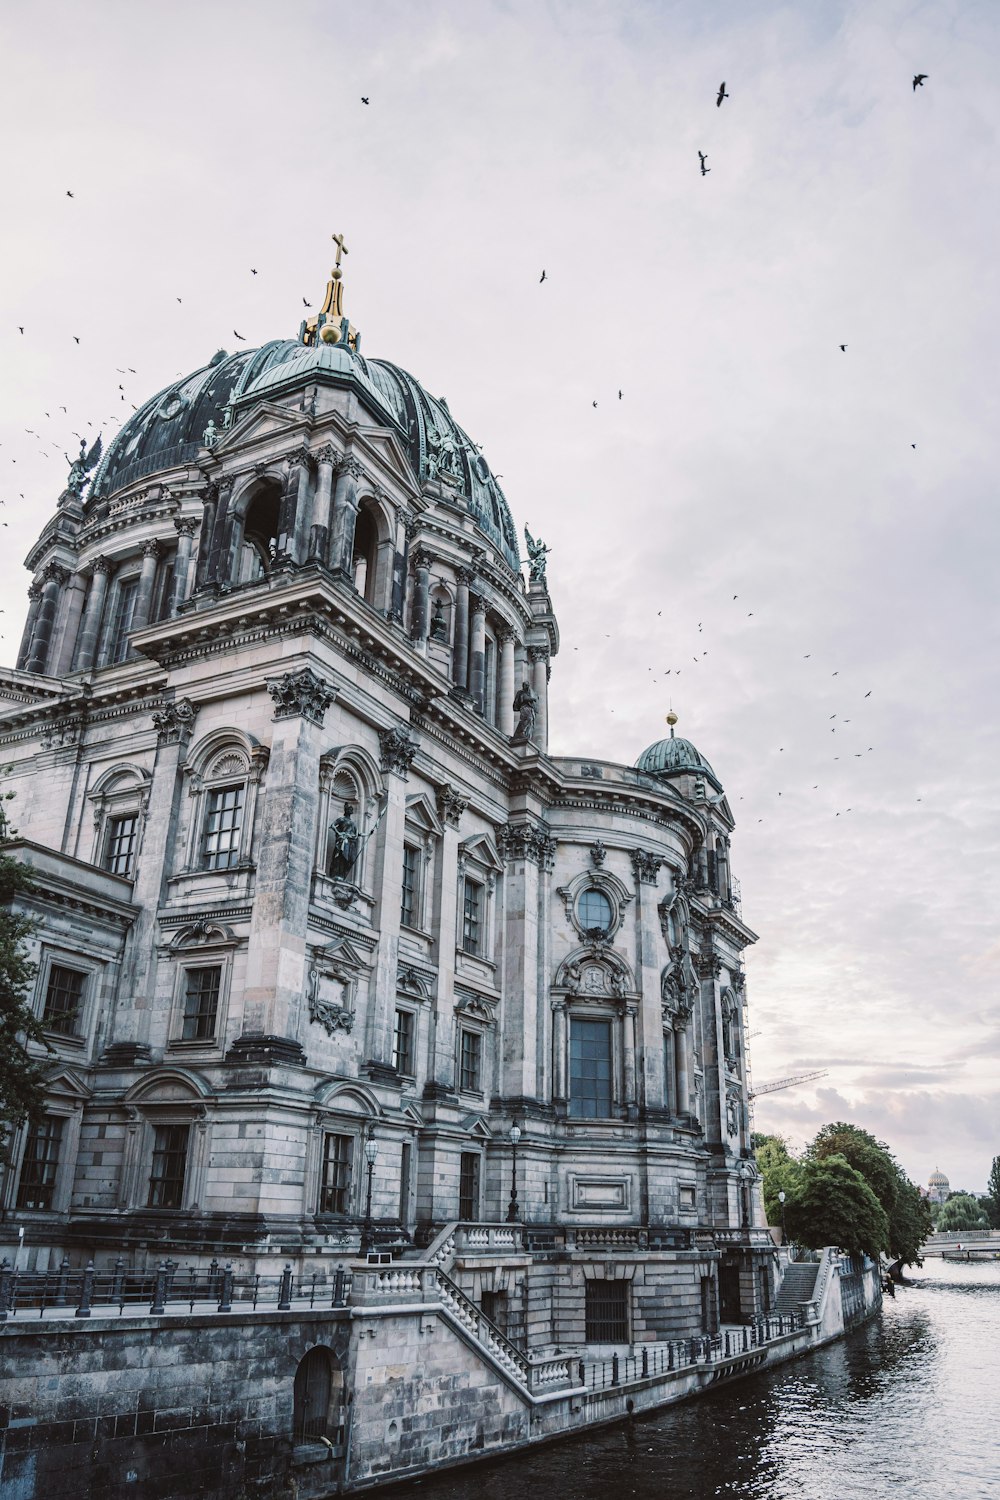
[322, 924]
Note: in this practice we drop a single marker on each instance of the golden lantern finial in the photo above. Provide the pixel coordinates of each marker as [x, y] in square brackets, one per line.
[671, 720]
[330, 326]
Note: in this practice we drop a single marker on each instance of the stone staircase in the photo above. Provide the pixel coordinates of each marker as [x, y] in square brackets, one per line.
[797, 1285]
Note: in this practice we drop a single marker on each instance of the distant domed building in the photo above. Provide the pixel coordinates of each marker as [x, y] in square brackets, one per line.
[313, 896]
[938, 1187]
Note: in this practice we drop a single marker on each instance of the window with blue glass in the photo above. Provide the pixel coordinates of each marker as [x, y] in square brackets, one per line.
[590, 1062]
[594, 911]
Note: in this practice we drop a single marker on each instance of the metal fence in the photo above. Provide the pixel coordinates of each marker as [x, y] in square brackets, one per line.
[169, 1287]
[680, 1354]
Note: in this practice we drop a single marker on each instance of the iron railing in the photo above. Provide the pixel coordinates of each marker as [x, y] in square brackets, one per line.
[76, 1293]
[681, 1354]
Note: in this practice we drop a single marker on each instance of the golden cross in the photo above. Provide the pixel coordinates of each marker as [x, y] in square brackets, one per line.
[338, 240]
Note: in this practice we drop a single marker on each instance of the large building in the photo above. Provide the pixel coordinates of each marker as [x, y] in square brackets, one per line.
[310, 886]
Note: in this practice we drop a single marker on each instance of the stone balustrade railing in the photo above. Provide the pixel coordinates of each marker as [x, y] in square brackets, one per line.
[501, 1238]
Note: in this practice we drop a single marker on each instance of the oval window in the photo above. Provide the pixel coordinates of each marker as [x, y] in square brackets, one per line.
[594, 911]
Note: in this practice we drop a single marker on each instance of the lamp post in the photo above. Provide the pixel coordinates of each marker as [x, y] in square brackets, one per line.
[371, 1156]
[781, 1200]
[513, 1135]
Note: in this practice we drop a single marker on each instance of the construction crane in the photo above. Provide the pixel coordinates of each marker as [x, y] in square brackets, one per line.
[786, 1083]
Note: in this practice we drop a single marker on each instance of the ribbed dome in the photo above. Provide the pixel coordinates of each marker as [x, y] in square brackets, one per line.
[672, 754]
[937, 1179]
[169, 429]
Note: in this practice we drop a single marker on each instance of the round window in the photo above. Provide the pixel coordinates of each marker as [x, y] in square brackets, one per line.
[594, 911]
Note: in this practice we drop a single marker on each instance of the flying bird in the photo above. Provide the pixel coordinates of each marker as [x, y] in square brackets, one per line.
[918, 82]
[252, 271]
[75, 339]
[73, 195]
[238, 335]
[305, 303]
[702, 159]
[19, 328]
[843, 348]
[593, 403]
[364, 100]
[541, 278]
[620, 397]
[721, 94]
[869, 693]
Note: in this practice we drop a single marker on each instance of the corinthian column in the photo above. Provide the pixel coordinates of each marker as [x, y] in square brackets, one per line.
[506, 717]
[54, 577]
[34, 604]
[147, 577]
[68, 625]
[477, 654]
[539, 658]
[422, 602]
[319, 536]
[460, 670]
[101, 571]
[186, 528]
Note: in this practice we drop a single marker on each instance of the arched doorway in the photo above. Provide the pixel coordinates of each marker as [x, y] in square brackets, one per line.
[319, 1412]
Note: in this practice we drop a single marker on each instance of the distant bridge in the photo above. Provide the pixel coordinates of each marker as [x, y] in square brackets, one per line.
[968, 1244]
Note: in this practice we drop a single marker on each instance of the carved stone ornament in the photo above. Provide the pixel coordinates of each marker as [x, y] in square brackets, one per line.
[592, 773]
[645, 865]
[475, 1008]
[598, 854]
[709, 965]
[527, 841]
[186, 525]
[397, 749]
[329, 993]
[451, 805]
[301, 694]
[732, 1114]
[174, 721]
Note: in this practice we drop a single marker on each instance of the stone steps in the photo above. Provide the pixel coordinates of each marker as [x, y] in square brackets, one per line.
[797, 1285]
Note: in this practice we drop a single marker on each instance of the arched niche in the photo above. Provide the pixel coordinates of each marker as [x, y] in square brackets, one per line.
[256, 516]
[373, 553]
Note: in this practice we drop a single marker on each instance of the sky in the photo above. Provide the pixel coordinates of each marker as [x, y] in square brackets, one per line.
[791, 544]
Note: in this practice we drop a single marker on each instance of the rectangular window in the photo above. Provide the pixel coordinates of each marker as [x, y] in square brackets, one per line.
[472, 917]
[405, 1168]
[63, 1000]
[468, 1186]
[489, 686]
[40, 1163]
[607, 1312]
[402, 1042]
[121, 620]
[335, 1182]
[470, 1062]
[409, 913]
[119, 848]
[590, 1069]
[223, 822]
[166, 1180]
[201, 1003]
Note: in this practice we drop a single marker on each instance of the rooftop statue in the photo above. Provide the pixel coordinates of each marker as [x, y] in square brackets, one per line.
[526, 706]
[537, 552]
[81, 466]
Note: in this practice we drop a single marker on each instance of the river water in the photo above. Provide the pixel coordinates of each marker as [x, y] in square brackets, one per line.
[906, 1408]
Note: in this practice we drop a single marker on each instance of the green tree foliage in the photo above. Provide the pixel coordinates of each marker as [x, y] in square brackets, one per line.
[21, 1076]
[993, 1188]
[832, 1204]
[907, 1212]
[961, 1211]
[778, 1171]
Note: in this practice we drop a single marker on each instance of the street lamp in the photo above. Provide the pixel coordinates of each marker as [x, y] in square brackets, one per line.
[371, 1156]
[513, 1135]
[781, 1200]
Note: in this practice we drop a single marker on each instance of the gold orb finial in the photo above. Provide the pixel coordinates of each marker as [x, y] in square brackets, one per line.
[671, 720]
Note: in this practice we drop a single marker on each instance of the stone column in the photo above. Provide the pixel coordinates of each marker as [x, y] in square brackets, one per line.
[302, 530]
[422, 561]
[451, 806]
[218, 559]
[539, 658]
[560, 1038]
[54, 578]
[460, 670]
[477, 653]
[528, 850]
[206, 548]
[712, 1059]
[345, 516]
[319, 536]
[398, 750]
[628, 1058]
[68, 625]
[275, 988]
[186, 526]
[507, 690]
[147, 578]
[682, 1068]
[34, 603]
[101, 571]
[129, 1029]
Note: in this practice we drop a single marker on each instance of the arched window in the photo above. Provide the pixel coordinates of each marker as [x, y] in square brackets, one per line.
[594, 911]
[318, 1399]
[365, 549]
[260, 535]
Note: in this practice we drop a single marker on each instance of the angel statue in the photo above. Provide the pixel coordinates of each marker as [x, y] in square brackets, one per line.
[537, 551]
[81, 466]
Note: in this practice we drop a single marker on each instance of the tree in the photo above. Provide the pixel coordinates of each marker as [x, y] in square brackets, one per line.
[961, 1212]
[993, 1188]
[21, 1076]
[778, 1170]
[832, 1204]
[908, 1214]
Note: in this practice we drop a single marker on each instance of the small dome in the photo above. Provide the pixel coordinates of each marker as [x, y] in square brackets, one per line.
[672, 754]
[937, 1179]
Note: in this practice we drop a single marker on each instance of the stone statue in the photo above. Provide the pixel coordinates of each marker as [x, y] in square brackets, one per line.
[211, 434]
[439, 625]
[537, 552]
[345, 842]
[526, 706]
[81, 466]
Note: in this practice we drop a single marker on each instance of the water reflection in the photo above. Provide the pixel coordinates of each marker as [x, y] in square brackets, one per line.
[898, 1411]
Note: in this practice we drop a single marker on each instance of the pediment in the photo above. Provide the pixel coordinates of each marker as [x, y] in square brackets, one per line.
[262, 420]
[420, 810]
[338, 955]
[475, 1007]
[410, 1112]
[481, 850]
[476, 1126]
[67, 1087]
[386, 448]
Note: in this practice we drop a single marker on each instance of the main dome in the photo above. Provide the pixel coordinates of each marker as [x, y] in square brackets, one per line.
[169, 429]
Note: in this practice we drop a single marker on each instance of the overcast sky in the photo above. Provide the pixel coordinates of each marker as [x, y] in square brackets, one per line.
[747, 456]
